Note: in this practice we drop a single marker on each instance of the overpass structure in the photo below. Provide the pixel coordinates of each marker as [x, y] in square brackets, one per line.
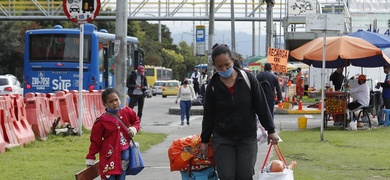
[163, 10]
[289, 14]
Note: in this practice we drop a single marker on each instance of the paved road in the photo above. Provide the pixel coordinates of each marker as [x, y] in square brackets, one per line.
[156, 119]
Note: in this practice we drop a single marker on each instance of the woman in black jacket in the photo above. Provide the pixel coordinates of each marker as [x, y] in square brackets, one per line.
[230, 110]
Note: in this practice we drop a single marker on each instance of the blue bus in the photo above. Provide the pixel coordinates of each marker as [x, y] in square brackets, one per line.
[201, 67]
[51, 59]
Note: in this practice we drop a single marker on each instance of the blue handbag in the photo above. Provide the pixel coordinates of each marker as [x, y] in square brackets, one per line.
[136, 163]
[208, 173]
[204, 174]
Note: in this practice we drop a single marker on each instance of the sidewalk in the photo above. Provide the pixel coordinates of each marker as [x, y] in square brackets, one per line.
[156, 159]
[198, 110]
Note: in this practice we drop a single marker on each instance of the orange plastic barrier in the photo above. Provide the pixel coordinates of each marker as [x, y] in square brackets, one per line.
[54, 106]
[86, 110]
[36, 116]
[2, 141]
[8, 130]
[68, 109]
[22, 128]
[99, 102]
[97, 107]
[46, 117]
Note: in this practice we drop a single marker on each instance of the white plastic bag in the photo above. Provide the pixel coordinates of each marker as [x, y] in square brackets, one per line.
[287, 174]
[353, 125]
[262, 135]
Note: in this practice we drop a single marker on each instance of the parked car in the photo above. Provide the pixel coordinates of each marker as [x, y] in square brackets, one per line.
[157, 87]
[170, 88]
[9, 84]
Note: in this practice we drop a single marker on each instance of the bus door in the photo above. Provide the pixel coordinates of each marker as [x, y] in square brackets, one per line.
[105, 65]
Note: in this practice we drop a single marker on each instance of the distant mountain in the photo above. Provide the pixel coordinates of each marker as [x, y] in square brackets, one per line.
[243, 41]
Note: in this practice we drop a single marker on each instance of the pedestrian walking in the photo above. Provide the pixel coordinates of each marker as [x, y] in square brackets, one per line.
[229, 120]
[273, 81]
[137, 85]
[186, 95]
[195, 76]
[110, 137]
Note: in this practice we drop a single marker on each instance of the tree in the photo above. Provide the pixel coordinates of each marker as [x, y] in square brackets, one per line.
[11, 54]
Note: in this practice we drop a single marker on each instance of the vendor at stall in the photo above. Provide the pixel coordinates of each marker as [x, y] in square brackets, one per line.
[337, 78]
[360, 94]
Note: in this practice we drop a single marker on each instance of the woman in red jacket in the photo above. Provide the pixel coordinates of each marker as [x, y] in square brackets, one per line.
[110, 137]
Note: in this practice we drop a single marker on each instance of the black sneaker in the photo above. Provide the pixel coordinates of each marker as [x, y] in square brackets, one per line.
[181, 123]
[188, 123]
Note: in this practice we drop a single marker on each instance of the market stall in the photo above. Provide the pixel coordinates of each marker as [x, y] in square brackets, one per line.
[335, 107]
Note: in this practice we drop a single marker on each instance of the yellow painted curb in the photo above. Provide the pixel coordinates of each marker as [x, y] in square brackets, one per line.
[314, 111]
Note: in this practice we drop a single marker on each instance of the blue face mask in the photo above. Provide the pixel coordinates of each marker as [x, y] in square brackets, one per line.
[226, 73]
[114, 111]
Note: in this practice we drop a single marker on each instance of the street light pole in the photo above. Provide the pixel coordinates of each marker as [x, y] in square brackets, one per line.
[159, 22]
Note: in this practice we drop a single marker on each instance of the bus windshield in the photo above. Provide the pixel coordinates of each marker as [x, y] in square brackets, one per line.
[58, 47]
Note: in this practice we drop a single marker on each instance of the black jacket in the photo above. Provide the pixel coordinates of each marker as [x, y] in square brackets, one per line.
[234, 116]
[337, 80]
[131, 82]
[274, 82]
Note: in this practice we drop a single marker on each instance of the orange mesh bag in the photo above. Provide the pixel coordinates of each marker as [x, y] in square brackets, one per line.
[186, 149]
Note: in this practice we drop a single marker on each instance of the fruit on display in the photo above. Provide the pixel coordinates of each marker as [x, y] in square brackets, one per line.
[334, 105]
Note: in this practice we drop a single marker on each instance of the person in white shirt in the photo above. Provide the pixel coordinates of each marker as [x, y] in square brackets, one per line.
[360, 94]
[195, 76]
[187, 95]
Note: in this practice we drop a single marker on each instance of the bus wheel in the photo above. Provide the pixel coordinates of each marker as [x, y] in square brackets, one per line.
[164, 96]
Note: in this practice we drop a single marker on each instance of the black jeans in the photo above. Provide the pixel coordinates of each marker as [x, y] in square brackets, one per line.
[235, 158]
[386, 102]
[137, 99]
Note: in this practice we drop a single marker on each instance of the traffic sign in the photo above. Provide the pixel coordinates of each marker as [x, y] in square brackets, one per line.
[200, 33]
[81, 11]
[200, 40]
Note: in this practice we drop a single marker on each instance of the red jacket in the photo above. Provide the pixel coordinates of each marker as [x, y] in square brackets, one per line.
[105, 140]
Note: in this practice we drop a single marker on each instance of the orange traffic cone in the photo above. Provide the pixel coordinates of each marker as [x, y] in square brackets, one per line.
[320, 105]
[280, 105]
[300, 105]
[295, 100]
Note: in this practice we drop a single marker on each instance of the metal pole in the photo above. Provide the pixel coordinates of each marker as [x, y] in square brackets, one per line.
[210, 69]
[81, 67]
[323, 82]
[159, 22]
[280, 26]
[253, 30]
[233, 29]
[120, 62]
[270, 5]
[260, 30]
[193, 28]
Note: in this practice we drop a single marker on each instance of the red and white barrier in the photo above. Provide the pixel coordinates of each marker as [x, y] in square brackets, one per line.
[35, 109]
[68, 108]
[23, 130]
[21, 120]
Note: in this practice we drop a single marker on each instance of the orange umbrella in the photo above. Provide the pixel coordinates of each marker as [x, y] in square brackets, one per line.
[340, 51]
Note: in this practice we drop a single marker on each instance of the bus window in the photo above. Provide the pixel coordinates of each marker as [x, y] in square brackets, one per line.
[58, 47]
